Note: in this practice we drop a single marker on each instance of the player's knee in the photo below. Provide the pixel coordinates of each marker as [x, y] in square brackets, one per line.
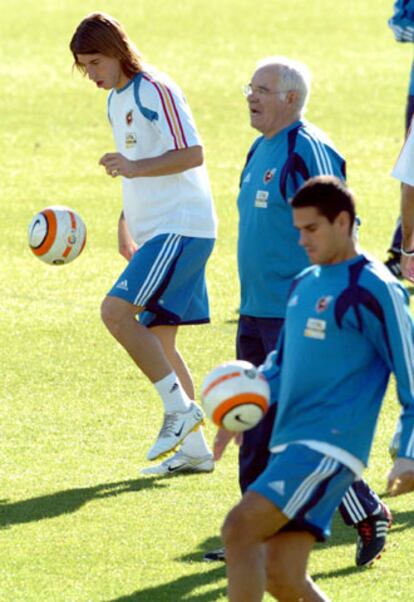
[237, 530]
[232, 528]
[110, 315]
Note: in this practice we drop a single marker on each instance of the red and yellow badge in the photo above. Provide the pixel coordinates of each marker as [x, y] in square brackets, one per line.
[129, 117]
[269, 175]
[323, 303]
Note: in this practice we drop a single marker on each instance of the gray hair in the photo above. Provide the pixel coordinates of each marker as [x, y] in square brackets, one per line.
[293, 75]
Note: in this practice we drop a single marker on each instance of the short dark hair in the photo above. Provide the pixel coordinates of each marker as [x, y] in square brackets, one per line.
[100, 33]
[329, 195]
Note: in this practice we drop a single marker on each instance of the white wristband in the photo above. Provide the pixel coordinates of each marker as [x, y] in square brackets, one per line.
[407, 253]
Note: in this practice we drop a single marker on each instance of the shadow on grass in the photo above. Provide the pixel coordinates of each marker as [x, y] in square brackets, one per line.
[180, 589]
[342, 535]
[65, 502]
[183, 587]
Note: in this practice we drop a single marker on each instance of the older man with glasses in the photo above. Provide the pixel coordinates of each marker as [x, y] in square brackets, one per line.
[289, 151]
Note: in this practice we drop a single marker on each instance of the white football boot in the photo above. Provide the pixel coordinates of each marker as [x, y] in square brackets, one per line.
[175, 428]
[180, 462]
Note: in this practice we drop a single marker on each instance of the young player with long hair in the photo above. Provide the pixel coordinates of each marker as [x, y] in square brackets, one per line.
[166, 229]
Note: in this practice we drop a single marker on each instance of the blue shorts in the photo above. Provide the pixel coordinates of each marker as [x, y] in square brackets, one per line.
[166, 277]
[306, 486]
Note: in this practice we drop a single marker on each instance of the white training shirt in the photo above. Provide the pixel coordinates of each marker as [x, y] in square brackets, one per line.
[150, 117]
[404, 167]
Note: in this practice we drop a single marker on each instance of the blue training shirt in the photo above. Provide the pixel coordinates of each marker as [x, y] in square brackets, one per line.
[348, 325]
[269, 255]
[402, 21]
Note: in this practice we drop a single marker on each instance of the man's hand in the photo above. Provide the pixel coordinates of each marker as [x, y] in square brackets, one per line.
[222, 439]
[401, 477]
[407, 267]
[126, 244]
[117, 165]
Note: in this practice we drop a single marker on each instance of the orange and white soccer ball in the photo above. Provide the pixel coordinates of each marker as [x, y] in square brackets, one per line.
[235, 395]
[57, 235]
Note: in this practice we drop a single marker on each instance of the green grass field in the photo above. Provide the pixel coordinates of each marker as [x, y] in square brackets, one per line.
[78, 521]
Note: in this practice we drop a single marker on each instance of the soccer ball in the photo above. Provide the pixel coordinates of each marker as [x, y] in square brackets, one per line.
[57, 235]
[235, 395]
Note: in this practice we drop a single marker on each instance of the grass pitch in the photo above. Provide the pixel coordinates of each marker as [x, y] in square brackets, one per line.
[78, 521]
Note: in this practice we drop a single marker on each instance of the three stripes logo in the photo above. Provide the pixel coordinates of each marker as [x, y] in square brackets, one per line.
[123, 285]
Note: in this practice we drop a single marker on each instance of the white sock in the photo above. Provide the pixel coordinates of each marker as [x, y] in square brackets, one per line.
[195, 444]
[172, 394]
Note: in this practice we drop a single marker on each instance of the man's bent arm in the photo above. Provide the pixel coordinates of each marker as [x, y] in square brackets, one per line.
[171, 162]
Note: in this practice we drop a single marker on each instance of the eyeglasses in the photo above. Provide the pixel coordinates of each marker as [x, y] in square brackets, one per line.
[248, 90]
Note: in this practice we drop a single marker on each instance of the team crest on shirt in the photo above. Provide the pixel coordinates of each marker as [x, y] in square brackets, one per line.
[129, 118]
[323, 303]
[269, 173]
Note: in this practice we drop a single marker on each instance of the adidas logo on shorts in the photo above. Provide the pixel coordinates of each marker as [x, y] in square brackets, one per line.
[278, 486]
[123, 285]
